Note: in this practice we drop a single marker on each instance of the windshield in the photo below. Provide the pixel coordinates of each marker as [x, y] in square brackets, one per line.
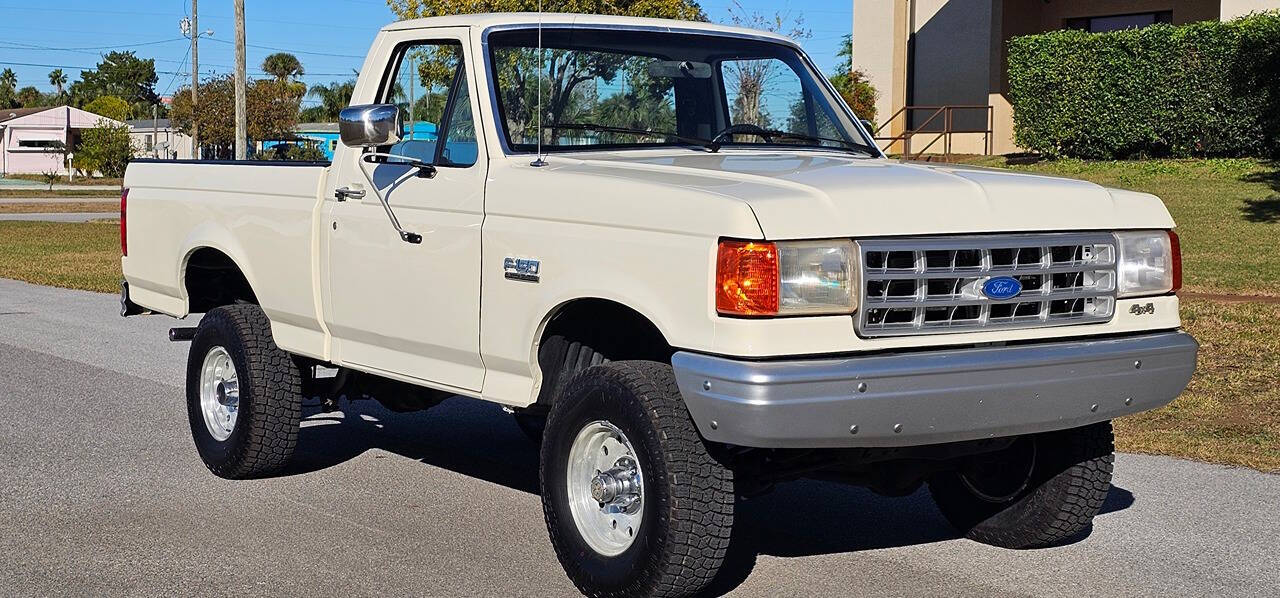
[617, 89]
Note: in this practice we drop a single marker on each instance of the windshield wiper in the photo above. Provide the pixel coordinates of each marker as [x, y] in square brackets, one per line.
[594, 128]
[770, 134]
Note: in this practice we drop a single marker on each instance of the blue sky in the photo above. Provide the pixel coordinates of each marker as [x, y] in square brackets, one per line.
[329, 36]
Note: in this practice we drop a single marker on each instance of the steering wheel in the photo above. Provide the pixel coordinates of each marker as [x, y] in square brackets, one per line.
[741, 129]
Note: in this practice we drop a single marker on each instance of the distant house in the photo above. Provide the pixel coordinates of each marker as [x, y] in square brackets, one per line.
[325, 136]
[159, 139]
[33, 138]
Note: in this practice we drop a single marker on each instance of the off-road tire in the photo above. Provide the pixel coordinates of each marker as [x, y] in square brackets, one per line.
[689, 495]
[566, 358]
[1068, 484]
[270, 410]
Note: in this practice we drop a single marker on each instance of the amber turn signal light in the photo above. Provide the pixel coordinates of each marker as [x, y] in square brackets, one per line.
[747, 278]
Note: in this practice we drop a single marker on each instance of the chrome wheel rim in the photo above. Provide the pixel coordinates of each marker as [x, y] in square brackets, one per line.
[606, 488]
[219, 393]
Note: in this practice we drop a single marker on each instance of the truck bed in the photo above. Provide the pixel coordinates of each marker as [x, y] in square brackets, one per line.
[265, 209]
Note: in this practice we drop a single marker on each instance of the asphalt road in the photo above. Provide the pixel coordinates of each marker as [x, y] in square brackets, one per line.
[101, 493]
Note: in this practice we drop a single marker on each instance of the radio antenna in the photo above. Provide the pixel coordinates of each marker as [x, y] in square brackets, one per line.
[540, 162]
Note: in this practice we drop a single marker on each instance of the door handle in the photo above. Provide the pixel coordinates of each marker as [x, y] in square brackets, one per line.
[345, 193]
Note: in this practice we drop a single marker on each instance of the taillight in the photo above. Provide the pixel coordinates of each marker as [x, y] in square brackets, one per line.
[1175, 247]
[747, 278]
[124, 228]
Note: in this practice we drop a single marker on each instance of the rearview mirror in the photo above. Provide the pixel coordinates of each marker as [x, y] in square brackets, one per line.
[679, 69]
[370, 125]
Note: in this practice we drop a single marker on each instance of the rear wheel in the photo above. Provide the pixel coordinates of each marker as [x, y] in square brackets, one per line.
[1043, 489]
[634, 503]
[244, 394]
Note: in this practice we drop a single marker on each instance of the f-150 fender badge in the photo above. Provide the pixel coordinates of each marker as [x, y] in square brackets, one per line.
[1143, 310]
[522, 269]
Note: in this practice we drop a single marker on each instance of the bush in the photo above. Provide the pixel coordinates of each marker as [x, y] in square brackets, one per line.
[105, 148]
[1204, 89]
[858, 93]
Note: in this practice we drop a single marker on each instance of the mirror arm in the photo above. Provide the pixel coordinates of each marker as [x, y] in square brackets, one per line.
[406, 236]
[425, 171]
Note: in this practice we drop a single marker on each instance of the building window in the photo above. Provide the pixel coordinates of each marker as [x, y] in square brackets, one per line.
[151, 142]
[1118, 22]
[39, 143]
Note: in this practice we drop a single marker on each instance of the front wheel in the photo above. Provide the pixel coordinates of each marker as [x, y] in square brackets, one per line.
[634, 503]
[1042, 489]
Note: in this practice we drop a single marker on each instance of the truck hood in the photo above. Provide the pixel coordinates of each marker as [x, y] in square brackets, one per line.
[814, 195]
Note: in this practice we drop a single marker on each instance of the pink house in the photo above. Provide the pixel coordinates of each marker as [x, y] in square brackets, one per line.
[31, 135]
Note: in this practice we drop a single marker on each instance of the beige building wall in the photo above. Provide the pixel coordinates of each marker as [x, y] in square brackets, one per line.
[957, 52]
[1238, 8]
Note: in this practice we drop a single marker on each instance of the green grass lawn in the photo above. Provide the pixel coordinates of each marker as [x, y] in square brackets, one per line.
[1228, 213]
[70, 255]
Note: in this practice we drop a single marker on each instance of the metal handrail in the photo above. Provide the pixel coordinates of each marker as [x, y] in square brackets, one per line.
[946, 134]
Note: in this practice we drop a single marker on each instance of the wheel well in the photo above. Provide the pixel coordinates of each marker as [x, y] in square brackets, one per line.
[585, 332]
[213, 279]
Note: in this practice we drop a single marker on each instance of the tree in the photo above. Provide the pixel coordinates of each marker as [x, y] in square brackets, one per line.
[751, 78]
[30, 97]
[123, 75]
[853, 85]
[110, 107]
[333, 98]
[58, 80]
[667, 9]
[8, 85]
[283, 66]
[106, 148]
[272, 108]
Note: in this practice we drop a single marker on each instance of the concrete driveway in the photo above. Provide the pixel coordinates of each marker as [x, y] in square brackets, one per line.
[101, 493]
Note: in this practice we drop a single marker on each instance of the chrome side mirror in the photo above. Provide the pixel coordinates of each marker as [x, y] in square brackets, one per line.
[370, 125]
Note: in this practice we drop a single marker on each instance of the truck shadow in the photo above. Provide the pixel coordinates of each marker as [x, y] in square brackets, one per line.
[478, 440]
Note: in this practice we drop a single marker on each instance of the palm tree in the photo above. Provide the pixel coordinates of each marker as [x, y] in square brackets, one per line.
[8, 89]
[333, 97]
[282, 66]
[57, 79]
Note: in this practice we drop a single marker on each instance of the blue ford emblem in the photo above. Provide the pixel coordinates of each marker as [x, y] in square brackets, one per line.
[1001, 287]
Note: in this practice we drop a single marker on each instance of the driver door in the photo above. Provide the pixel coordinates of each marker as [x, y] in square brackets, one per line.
[410, 310]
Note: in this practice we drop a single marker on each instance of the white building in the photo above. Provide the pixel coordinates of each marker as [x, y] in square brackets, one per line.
[159, 139]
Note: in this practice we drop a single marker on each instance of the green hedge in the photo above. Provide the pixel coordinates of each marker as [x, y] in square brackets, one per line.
[1204, 89]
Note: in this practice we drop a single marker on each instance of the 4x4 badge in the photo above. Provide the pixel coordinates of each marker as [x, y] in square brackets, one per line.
[1142, 310]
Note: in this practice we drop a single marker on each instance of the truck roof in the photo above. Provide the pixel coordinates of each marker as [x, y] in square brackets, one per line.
[486, 20]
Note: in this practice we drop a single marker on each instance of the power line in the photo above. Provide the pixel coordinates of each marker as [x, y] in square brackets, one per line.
[80, 49]
[223, 41]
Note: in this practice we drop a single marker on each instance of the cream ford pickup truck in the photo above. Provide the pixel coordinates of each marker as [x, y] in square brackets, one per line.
[680, 261]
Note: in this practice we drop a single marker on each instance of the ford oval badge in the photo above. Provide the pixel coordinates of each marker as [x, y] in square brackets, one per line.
[1001, 288]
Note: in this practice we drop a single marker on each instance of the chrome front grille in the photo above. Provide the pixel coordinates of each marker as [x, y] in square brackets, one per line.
[934, 285]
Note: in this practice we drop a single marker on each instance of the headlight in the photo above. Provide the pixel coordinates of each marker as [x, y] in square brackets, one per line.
[1150, 263]
[786, 278]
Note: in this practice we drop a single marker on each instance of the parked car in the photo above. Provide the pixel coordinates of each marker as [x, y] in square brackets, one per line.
[677, 257]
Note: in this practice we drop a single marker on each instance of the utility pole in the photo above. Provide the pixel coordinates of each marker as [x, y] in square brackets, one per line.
[195, 81]
[242, 125]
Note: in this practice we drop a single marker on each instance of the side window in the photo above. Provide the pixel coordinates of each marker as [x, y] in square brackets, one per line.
[769, 94]
[459, 134]
[430, 89]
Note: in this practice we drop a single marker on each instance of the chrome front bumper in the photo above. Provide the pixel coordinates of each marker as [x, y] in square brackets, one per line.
[934, 396]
